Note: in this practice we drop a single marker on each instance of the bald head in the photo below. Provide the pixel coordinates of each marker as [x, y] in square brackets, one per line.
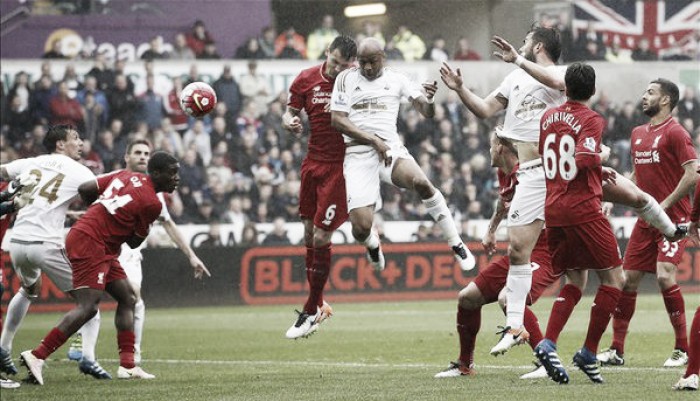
[370, 57]
[370, 47]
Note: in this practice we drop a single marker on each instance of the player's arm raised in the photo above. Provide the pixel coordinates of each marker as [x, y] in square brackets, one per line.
[425, 103]
[481, 107]
[546, 76]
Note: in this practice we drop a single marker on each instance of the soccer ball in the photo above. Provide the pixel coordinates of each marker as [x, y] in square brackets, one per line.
[198, 99]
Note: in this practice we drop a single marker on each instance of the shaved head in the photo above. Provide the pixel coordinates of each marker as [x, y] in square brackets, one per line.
[370, 46]
[370, 57]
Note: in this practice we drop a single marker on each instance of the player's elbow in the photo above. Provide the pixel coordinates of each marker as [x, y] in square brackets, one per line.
[336, 121]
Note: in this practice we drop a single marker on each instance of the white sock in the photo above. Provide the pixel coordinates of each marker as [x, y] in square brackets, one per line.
[518, 286]
[16, 310]
[372, 241]
[139, 318]
[438, 210]
[89, 332]
[653, 214]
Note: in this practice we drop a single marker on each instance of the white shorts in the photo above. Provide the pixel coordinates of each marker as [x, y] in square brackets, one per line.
[130, 259]
[363, 171]
[30, 258]
[530, 194]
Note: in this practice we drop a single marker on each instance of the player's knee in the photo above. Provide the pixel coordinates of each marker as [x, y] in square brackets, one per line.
[361, 230]
[502, 300]
[424, 187]
[321, 238]
[665, 280]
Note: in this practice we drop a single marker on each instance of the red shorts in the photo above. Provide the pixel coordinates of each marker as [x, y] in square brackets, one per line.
[92, 267]
[590, 246]
[492, 279]
[322, 194]
[647, 246]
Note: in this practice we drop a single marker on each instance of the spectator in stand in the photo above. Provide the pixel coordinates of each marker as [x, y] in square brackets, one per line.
[299, 42]
[643, 52]
[65, 110]
[437, 51]
[17, 120]
[278, 235]
[197, 138]
[28, 147]
[94, 117]
[171, 104]
[585, 50]
[228, 92]
[55, 52]
[213, 239]
[192, 181]
[40, 100]
[289, 51]
[205, 212]
[371, 29]
[218, 171]
[21, 89]
[411, 45]
[71, 78]
[464, 51]
[192, 75]
[150, 105]
[255, 88]
[689, 106]
[320, 39]
[172, 137]
[198, 37]
[235, 214]
[592, 52]
[7, 152]
[392, 53]
[101, 71]
[249, 235]
[219, 133]
[180, 49]
[250, 50]
[91, 159]
[155, 51]
[209, 52]
[266, 42]
[122, 102]
[100, 107]
[105, 149]
[615, 53]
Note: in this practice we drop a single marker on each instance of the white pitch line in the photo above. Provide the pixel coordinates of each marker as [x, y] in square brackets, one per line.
[371, 365]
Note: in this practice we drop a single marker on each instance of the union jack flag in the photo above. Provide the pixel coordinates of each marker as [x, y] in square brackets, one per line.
[662, 22]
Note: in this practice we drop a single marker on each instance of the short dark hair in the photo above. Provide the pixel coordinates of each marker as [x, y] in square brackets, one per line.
[669, 89]
[56, 133]
[138, 142]
[346, 45]
[550, 39]
[580, 81]
[160, 161]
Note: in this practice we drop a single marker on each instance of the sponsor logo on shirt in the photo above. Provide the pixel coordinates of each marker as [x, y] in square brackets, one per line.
[647, 157]
[529, 108]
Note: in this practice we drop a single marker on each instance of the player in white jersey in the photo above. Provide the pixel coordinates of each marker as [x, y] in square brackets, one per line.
[37, 243]
[525, 94]
[136, 158]
[364, 107]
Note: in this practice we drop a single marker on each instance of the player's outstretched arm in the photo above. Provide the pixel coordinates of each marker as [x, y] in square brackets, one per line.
[425, 104]
[508, 54]
[197, 265]
[482, 108]
[89, 191]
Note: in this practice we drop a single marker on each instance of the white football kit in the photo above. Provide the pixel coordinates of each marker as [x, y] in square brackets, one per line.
[372, 106]
[37, 241]
[528, 99]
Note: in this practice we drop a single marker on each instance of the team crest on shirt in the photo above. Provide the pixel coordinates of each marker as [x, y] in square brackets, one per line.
[589, 144]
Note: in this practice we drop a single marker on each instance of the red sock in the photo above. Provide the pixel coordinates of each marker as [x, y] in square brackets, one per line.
[694, 349]
[675, 306]
[603, 307]
[468, 325]
[50, 343]
[125, 341]
[563, 306]
[621, 320]
[533, 327]
[309, 262]
[318, 276]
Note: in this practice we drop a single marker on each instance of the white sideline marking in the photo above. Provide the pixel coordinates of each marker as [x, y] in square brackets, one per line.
[374, 365]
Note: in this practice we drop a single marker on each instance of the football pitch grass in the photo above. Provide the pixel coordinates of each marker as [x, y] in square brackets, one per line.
[368, 351]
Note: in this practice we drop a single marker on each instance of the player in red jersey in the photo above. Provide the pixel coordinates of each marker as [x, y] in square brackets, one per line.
[322, 201]
[578, 234]
[128, 205]
[665, 164]
[689, 381]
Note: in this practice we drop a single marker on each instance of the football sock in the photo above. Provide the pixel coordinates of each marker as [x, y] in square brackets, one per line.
[50, 343]
[89, 332]
[438, 210]
[621, 320]
[468, 325]
[139, 320]
[675, 306]
[564, 305]
[16, 310]
[694, 349]
[309, 259]
[125, 341]
[653, 214]
[372, 241]
[603, 306]
[318, 276]
[518, 285]
[533, 327]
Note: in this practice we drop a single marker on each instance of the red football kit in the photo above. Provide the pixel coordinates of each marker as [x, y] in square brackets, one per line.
[322, 193]
[128, 205]
[658, 155]
[578, 233]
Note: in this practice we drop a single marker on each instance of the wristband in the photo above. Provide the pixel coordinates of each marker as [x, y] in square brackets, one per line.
[519, 60]
[431, 100]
